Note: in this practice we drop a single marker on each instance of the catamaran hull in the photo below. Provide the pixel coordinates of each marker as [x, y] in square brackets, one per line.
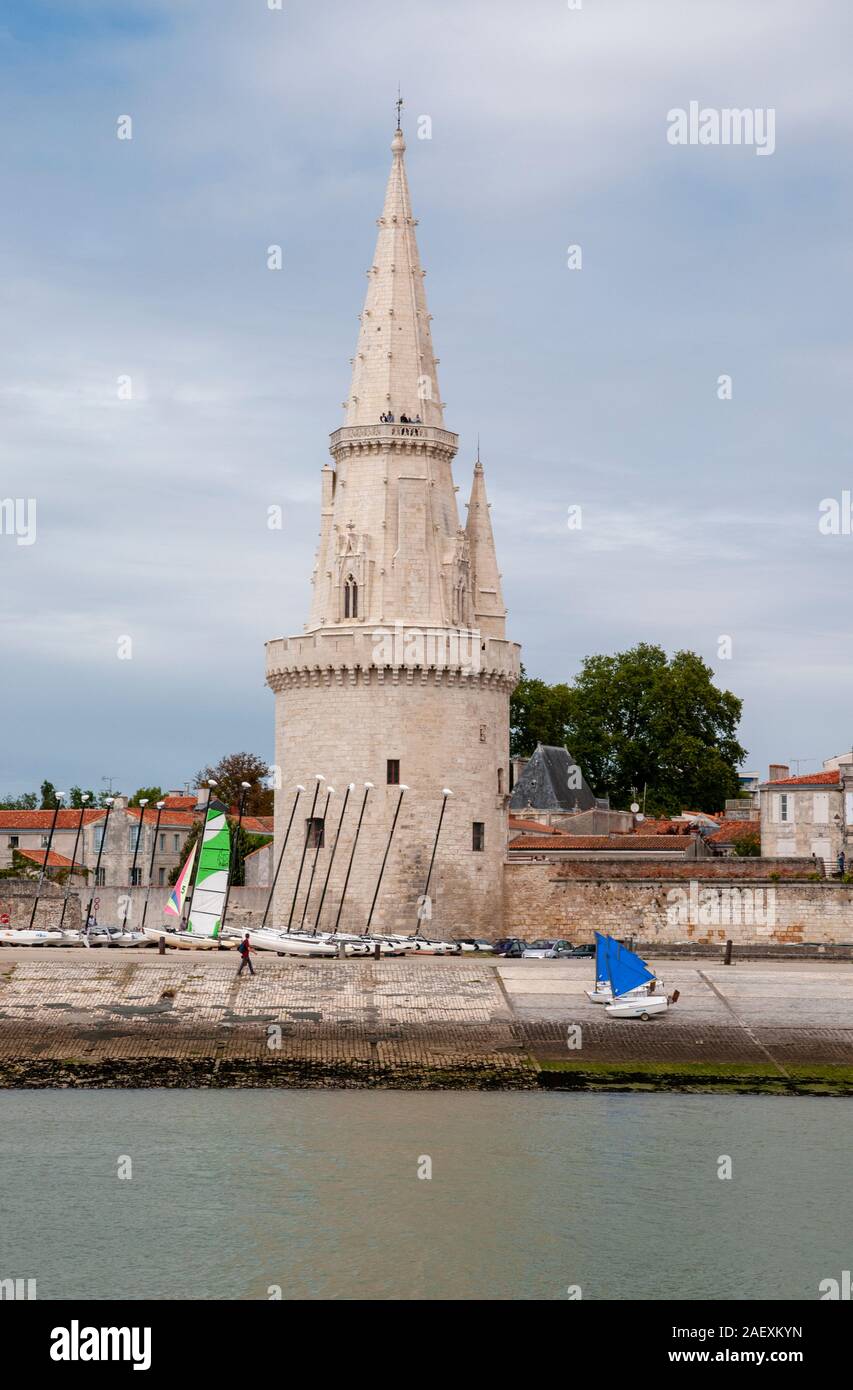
[643, 1007]
[23, 937]
[603, 994]
[187, 940]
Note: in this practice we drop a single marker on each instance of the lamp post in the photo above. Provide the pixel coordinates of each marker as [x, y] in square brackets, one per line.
[367, 789]
[245, 787]
[110, 801]
[142, 804]
[445, 793]
[350, 788]
[60, 796]
[160, 805]
[318, 778]
[299, 790]
[83, 799]
[403, 790]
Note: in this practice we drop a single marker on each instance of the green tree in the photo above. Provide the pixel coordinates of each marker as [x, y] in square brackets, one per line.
[228, 774]
[27, 801]
[640, 723]
[153, 794]
[76, 794]
[244, 844]
[48, 796]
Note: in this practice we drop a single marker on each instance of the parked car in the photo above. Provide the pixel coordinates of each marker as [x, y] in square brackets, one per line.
[510, 946]
[547, 950]
[585, 952]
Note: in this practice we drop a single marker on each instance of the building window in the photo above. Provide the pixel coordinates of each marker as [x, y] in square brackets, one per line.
[134, 837]
[135, 877]
[315, 832]
[350, 598]
[45, 841]
[100, 878]
[14, 841]
[478, 838]
[482, 733]
[161, 877]
[162, 842]
[177, 841]
[786, 807]
[500, 781]
[392, 776]
[97, 838]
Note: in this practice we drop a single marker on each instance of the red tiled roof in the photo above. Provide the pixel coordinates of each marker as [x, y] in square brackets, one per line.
[519, 823]
[42, 820]
[813, 779]
[258, 825]
[733, 830]
[180, 803]
[167, 818]
[614, 843]
[54, 860]
[661, 827]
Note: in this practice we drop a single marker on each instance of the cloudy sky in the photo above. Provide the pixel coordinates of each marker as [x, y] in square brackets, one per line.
[146, 258]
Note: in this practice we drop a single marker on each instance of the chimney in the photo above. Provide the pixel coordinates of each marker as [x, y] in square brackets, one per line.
[516, 767]
[779, 772]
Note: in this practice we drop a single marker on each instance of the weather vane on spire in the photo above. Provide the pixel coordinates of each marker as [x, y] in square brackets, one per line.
[399, 105]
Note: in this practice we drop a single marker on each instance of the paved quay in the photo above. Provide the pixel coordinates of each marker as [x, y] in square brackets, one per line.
[131, 1018]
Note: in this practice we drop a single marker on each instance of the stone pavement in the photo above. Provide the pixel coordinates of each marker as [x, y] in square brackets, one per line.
[136, 1018]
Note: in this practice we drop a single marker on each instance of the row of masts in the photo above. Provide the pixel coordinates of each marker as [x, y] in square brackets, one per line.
[319, 779]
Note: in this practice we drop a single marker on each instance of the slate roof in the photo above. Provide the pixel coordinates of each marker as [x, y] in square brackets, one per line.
[547, 783]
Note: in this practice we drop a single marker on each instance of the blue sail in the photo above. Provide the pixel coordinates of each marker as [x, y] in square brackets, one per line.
[627, 971]
[601, 945]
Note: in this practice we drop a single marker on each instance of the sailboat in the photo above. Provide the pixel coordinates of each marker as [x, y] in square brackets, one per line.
[632, 986]
[602, 993]
[211, 885]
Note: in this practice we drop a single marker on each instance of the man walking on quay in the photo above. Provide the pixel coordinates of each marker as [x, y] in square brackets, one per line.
[245, 951]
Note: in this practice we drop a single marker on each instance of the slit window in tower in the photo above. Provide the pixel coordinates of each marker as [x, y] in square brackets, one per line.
[478, 838]
[500, 781]
[350, 598]
[316, 826]
[393, 772]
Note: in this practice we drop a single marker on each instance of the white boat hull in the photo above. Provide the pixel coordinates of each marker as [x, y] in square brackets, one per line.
[187, 940]
[603, 994]
[22, 936]
[642, 1006]
[291, 943]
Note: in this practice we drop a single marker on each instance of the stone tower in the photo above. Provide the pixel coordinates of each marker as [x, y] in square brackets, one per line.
[403, 673]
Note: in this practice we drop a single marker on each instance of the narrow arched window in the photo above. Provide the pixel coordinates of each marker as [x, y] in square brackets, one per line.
[350, 598]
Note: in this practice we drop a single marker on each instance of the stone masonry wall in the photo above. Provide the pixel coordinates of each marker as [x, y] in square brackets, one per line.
[16, 903]
[543, 900]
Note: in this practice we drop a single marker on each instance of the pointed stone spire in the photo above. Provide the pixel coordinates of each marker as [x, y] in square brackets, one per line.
[487, 599]
[394, 367]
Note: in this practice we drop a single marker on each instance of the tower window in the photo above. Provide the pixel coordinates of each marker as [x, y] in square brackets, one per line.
[392, 776]
[478, 837]
[350, 598]
[315, 827]
[500, 781]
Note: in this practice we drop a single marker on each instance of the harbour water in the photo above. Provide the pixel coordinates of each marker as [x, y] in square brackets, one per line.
[236, 1194]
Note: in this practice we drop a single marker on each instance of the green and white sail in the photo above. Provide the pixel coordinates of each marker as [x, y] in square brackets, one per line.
[211, 884]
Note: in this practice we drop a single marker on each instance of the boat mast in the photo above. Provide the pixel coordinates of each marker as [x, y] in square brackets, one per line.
[403, 790]
[320, 837]
[59, 797]
[109, 803]
[367, 787]
[445, 792]
[143, 803]
[299, 790]
[350, 788]
[318, 778]
[83, 799]
[160, 805]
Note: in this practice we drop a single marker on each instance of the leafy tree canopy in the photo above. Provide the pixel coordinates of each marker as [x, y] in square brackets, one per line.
[639, 723]
[233, 769]
[153, 795]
